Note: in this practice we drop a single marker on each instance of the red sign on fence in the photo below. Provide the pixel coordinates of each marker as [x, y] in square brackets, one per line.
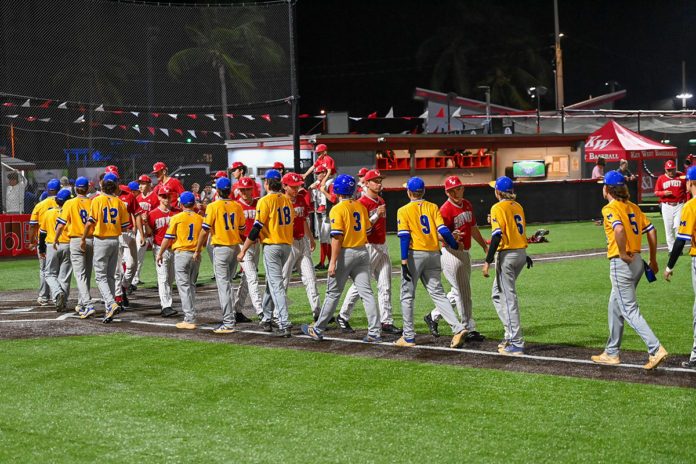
[14, 235]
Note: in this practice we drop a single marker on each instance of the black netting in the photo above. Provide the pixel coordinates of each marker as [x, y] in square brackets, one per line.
[89, 83]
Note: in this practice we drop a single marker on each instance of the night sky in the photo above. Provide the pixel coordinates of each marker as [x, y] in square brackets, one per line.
[359, 56]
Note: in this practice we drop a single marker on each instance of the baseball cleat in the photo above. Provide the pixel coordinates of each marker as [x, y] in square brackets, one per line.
[474, 336]
[344, 325]
[42, 301]
[109, 315]
[125, 303]
[282, 333]
[79, 309]
[168, 312]
[185, 325]
[657, 358]
[605, 358]
[511, 350]
[224, 329]
[240, 317]
[131, 288]
[432, 325]
[311, 332]
[60, 302]
[266, 326]
[504, 344]
[372, 339]
[458, 339]
[405, 342]
[391, 329]
[690, 364]
[88, 311]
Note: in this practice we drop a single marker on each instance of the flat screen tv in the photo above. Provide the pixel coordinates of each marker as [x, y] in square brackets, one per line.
[529, 168]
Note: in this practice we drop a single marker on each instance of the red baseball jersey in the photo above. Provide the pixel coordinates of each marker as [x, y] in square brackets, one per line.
[255, 192]
[676, 185]
[379, 227]
[328, 162]
[303, 192]
[132, 205]
[301, 212]
[459, 218]
[148, 202]
[175, 189]
[249, 214]
[159, 223]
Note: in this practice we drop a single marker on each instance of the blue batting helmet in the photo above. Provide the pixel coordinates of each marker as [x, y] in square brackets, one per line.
[614, 178]
[187, 199]
[53, 184]
[344, 185]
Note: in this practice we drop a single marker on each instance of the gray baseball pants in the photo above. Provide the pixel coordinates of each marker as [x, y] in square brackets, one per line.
[249, 283]
[140, 255]
[105, 263]
[507, 268]
[186, 269]
[274, 256]
[301, 256]
[165, 275]
[225, 266]
[58, 269]
[353, 263]
[128, 254]
[380, 270]
[623, 305]
[44, 289]
[456, 266]
[82, 269]
[425, 266]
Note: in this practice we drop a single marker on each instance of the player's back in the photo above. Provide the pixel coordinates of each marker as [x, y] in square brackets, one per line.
[184, 229]
[75, 214]
[350, 218]
[275, 213]
[508, 220]
[224, 218]
[109, 215]
[421, 219]
[633, 220]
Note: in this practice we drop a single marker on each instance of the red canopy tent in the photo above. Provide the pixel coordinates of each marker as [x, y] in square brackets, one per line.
[614, 142]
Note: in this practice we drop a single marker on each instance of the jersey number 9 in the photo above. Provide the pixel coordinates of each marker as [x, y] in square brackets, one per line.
[426, 224]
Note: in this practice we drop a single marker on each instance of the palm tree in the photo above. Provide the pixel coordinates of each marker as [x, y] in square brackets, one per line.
[233, 47]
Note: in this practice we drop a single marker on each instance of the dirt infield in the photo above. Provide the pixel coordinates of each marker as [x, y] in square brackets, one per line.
[21, 318]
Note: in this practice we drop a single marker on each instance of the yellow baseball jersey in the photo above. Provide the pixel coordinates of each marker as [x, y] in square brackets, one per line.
[48, 223]
[40, 208]
[184, 229]
[422, 220]
[687, 224]
[275, 215]
[350, 219]
[74, 215]
[225, 219]
[634, 222]
[507, 220]
[109, 215]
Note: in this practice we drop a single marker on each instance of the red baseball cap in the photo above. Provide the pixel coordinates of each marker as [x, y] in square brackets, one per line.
[278, 165]
[144, 178]
[158, 167]
[373, 174]
[111, 170]
[163, 191]
[452, 182]
[670, 165]
[293, 179]
[244, 183]
[219, 174]
[319, 148]
[320, 168]
[362, 172]
[237, 165]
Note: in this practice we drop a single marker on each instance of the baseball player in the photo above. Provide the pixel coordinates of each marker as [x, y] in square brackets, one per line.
[350, 224]
[224, 221]
[686, 233]
[273, 225]
[156, 227]
[323, 159]
[280, 167]
[303, 243]
[57, 254]
[323, 206]
[40, 208]
[671, 190]
[419, 223]
[380, 261]
[164, 180]
[108, 216]
[182, 235]
[459, 217]
[72, 219]
[624, 224]
[509, 239]
[361, 188]
[249, 284]
[238, 171]
[148, 201]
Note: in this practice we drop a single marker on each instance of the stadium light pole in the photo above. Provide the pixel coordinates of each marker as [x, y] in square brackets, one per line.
[537, 92]
[559, 59]
[684, 95]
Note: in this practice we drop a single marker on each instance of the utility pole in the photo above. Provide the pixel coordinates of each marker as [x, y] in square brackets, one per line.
[559, 60]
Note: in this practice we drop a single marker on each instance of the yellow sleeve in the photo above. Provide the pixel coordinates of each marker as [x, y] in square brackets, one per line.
[402, 221]
[239, 215]
[338, 226]
[262, 212]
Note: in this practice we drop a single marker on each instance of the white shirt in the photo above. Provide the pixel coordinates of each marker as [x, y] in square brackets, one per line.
[14, 198]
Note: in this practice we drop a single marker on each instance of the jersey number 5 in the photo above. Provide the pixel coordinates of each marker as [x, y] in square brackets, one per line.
[634, 224]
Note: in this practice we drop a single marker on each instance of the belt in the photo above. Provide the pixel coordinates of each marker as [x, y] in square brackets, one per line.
[673, 203]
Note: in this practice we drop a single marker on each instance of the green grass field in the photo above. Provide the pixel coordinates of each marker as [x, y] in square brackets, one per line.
[120, 398]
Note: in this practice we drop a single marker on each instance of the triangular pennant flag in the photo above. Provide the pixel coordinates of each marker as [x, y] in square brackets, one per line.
[441, 113]
[31, 119]
[251, 134]
[424, 115]
[243, 135]
[283, 116]
[355, 118]
[173, 115]
[404, 132]
[155, 114]
[123, 127]
[12, 115]
[205, 132]
[192, 116]
[109, 126]
[303, 116]
[192, 132]
[179, 131]
[248, 116]
[152, 130]
[372, 115]
[99, 108]
[63, 106]
[26, 104]
[45, 104]
[211, 116]
[231, 134]
[230, 115]
[266, 134]
[136, 127]
[8, 104]
[415, 130]
[267, 117]
[117, 112]
[82, 109]
[94, 124]
[135, 113]
[165, 131]
[218, 134]
[457, 113]
[45, 119]
[390, 114]
[80, 119]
